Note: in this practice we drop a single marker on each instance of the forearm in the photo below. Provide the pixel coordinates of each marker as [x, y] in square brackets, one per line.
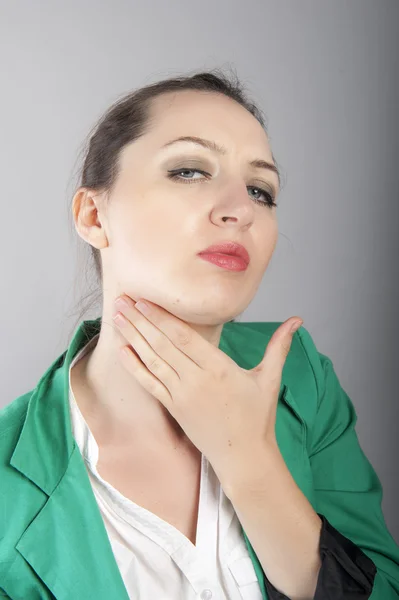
[281, 524]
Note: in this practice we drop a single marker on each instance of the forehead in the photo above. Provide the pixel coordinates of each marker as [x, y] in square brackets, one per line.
[204, 114]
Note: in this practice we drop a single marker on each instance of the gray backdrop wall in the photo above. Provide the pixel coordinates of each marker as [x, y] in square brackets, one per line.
[324, 72]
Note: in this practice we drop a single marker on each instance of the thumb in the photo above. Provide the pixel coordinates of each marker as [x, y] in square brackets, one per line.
[277, 350]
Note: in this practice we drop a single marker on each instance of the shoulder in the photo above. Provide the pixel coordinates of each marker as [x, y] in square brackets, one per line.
[12, 416]
[18, 497]
[307, 372]
[303, 344]
[303, 351]
[311, 386]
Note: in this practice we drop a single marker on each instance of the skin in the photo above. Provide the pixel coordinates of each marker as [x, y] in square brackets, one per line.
[149, 231]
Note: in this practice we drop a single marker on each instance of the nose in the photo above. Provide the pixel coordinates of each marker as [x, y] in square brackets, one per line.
[234, 204]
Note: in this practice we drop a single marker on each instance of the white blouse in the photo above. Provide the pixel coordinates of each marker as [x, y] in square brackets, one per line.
[155, 559]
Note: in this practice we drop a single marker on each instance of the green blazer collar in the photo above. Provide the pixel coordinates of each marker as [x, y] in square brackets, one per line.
[66, 543]
[47, 429]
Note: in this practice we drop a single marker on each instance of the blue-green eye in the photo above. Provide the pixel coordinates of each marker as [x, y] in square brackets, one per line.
[176, 175]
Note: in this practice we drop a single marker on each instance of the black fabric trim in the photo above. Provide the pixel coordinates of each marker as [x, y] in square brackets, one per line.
[346, 572]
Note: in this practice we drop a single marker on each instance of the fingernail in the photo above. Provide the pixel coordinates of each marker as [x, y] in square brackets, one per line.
[296, 326]
[142, 307]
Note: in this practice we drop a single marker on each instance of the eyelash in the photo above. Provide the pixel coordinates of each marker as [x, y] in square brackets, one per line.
[174, 175]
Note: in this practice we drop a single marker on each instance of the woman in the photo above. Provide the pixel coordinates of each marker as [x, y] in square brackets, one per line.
[177, 453]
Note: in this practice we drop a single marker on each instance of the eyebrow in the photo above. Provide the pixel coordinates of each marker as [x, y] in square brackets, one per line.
[214, 147]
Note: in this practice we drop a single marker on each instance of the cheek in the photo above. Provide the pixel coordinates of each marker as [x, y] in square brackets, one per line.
[266, 240]
[153, 226]
[273, 239]
[135, 242]
[143, 244]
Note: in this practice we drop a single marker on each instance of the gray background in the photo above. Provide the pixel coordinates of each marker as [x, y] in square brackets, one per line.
[326, 75]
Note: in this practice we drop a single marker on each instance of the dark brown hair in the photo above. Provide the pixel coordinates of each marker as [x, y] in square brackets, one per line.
[128, 119]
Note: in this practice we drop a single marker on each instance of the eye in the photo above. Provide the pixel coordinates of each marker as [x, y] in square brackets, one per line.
[269, 198]
[176, 173]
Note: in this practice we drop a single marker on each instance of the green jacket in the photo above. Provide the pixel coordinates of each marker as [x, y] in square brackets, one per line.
[53, 543]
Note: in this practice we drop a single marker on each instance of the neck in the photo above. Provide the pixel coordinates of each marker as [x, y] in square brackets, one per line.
[117, 408]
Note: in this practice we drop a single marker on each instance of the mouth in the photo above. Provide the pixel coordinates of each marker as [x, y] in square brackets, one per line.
[231, 249]
[226, 261]
[228, 255]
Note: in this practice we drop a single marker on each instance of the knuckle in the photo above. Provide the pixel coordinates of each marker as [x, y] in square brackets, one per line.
[182, 338]
[153, 387]
[274, 383]
[223, 373]
[154, 365]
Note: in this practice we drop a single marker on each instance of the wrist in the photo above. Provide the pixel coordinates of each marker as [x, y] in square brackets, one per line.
[253, 470]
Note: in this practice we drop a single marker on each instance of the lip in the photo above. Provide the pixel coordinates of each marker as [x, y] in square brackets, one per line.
[229, 248]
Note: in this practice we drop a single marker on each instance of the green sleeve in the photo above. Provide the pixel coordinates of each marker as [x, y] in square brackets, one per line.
[347, 490]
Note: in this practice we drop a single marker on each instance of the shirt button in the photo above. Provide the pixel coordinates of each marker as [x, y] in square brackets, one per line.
[206, 595]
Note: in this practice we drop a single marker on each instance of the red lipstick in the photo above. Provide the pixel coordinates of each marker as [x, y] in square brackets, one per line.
[229, 255]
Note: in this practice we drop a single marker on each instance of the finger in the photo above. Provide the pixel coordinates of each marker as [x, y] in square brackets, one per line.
[134, 365]
[163, 371]
[190, 343]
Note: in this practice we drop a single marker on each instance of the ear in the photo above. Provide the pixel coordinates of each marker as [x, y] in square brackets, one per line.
[87, 216]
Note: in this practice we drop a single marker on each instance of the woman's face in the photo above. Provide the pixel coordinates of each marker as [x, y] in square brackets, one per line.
[155, 225]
